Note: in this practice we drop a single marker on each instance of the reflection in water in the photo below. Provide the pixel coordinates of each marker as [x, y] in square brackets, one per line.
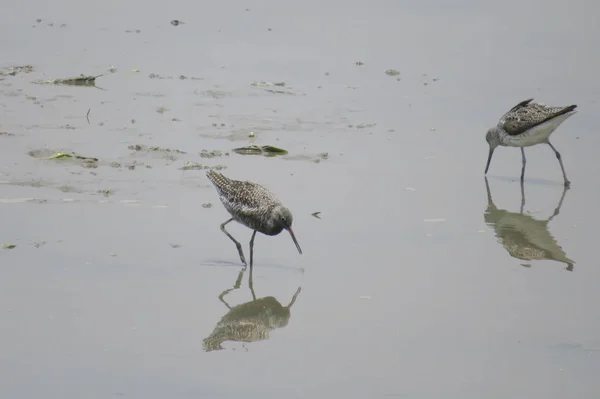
[523, 236]
[250, 321]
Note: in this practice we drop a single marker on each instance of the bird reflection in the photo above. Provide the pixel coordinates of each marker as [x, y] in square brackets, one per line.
[251, 321]
[523, 236]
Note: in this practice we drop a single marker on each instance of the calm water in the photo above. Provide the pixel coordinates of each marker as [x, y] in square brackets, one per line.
[411, 281]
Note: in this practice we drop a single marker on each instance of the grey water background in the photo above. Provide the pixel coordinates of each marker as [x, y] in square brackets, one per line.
[406, 291]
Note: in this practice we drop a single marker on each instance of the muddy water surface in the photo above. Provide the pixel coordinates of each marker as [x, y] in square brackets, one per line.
[419, 280]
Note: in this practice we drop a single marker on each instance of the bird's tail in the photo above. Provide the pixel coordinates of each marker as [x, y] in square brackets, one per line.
[217, 179]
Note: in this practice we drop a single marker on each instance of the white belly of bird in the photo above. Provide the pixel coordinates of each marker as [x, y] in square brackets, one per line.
[536, 135]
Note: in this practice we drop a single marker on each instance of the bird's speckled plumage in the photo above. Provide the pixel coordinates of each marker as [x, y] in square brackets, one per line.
[250, 204]
[253, 206]
[526, 115]
[527, 124]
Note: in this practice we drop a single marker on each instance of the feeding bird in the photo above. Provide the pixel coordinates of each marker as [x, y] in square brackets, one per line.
[528, 124]
[253, 206]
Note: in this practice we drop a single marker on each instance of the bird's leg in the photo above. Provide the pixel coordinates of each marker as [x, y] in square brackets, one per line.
[567, 182]
[237, 244]
[252, 249]
[522, 197]
[251, 282]
[524, 163]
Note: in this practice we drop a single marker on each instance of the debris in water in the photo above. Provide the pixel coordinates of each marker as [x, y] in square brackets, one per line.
[196, 166]
[81, 80]
[316, 214]
[392, 72]
[266, 150]
[359, 63]
[316, 158]
[211, 154]
[192, 166]
[87, 116]
[58, 155]
[175, 246]
[251, 134]
[180, 77]
[206, 205]
[176, 22]
[106, 193]
[141, 147]
[47, 154]
[14, 70]
[365, 125]
[8, 246]
[262, 83]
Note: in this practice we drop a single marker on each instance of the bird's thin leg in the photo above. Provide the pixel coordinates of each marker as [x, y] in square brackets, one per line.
[567, 182]
[524, 163]
[252, 248]
[251, 282]
[237, 244]
[522, 196]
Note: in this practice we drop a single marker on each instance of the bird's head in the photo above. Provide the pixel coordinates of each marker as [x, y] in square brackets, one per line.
[284, 220]
[493, 139]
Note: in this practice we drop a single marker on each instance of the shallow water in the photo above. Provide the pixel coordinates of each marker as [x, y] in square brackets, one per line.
[406, 287]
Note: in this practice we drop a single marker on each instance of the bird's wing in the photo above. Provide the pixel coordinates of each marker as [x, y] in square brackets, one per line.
[526, 115]
[246, 195]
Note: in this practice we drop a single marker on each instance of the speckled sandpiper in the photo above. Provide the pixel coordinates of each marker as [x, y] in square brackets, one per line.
[253, 206]
[528, 124]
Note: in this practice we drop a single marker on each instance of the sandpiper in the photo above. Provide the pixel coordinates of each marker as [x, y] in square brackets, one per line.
[253, 206]
[528, 124]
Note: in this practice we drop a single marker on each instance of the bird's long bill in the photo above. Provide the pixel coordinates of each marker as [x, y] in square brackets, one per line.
[489, 160]
[295, 241]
